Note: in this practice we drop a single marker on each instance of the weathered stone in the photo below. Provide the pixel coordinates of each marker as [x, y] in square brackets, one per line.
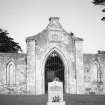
[55, 93]
[83, 73]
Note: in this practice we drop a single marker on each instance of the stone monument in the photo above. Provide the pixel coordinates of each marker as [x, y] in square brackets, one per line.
[55, 93]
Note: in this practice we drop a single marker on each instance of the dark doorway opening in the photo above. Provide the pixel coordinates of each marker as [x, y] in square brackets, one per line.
[54, 68]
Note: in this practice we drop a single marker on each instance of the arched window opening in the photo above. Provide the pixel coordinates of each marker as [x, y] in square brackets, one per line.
[10, 73]
[99, 76]
[54, 68]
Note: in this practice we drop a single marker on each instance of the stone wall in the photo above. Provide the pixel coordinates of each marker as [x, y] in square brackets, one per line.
[12, 73]
[40, 46]
[25, 73]
[94, 73]
[31, 68]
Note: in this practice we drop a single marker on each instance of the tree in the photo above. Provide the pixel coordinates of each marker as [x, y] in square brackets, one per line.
[7, 44]
[102, 3]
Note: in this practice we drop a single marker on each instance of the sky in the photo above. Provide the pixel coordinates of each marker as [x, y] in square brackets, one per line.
[23, 18]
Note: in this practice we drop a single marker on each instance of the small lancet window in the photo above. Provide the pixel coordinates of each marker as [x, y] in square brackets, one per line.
[10, 73]
[99, 76]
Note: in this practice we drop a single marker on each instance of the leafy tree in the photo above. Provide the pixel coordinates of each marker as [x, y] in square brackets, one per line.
[7, 44]
[100, 2]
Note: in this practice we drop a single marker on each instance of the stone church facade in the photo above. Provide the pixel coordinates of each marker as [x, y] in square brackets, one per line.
[52, 53]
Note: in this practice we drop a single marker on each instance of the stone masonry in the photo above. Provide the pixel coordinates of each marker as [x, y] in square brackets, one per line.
[25, 73]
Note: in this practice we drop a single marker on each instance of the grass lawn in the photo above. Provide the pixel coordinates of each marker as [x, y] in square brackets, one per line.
[42, 99]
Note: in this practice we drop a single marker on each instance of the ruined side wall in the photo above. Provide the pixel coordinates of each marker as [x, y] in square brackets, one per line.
[94, 73]
[19, 63]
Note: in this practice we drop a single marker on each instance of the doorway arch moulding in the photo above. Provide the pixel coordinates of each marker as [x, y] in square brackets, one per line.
[66, 66]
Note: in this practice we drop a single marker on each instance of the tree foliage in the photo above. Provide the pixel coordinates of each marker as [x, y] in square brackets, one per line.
[7, 44]
[100, 2]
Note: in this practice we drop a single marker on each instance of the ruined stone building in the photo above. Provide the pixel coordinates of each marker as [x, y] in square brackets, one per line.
[52, 53]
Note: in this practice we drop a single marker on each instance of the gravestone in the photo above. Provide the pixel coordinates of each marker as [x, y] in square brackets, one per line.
[55, 93]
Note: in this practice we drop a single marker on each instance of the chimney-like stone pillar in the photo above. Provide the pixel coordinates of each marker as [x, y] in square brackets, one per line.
[54, 20]
[54, 24]
[79, 68]
[31, 67]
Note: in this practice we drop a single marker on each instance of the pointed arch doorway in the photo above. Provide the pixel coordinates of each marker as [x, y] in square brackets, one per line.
[54, 68]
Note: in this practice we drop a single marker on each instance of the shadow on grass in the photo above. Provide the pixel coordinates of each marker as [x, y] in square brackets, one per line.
[42, 99]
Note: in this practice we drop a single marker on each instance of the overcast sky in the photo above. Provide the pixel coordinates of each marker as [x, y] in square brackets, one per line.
[23, 18]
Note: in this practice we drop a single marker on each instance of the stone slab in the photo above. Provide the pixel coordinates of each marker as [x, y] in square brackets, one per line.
[55, 91]
[56, 103]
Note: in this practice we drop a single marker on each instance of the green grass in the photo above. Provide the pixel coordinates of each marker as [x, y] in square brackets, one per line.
[42, 99]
